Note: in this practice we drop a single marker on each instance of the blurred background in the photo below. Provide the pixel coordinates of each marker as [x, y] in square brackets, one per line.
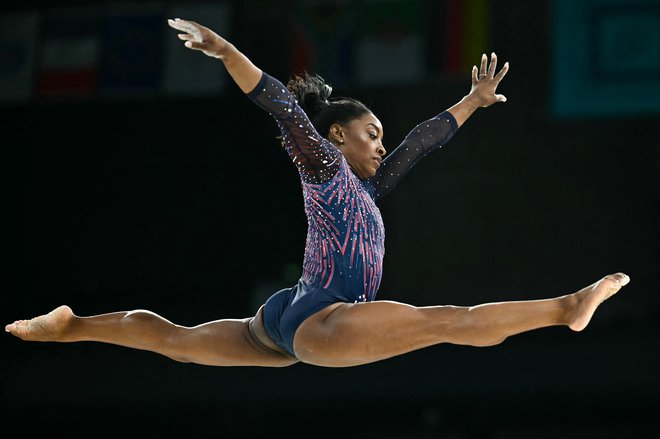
[139, 176]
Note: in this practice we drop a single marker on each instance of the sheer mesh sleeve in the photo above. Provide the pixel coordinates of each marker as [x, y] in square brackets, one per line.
[424, 138]
[315, 157]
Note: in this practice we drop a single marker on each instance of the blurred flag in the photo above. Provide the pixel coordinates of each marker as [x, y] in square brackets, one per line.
[69, 57]
[391, 44]
[132, 51]
[18, 36]
[465, 34]
[188, 72]
[322, 41]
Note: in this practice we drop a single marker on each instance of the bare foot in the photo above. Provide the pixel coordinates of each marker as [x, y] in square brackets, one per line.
[48, 327]
[589, 298]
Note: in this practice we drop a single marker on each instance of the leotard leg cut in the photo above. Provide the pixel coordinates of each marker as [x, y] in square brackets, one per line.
[285, 311]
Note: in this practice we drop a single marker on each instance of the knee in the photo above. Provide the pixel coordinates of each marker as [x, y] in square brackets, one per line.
[487, 342]
[146, 328]
[139, 316]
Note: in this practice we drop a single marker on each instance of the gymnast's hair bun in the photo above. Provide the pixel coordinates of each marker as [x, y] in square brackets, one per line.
[311, 92]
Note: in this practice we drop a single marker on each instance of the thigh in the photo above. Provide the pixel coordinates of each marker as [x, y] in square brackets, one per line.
[229, 342]
[349, 334]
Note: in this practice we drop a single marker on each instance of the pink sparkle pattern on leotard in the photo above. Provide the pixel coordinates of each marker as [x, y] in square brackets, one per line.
[346, 236]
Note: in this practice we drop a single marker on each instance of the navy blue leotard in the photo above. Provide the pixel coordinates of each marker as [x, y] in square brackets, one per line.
[345, 237]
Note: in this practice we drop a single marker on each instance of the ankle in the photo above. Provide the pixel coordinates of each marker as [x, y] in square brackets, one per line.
[569, 305]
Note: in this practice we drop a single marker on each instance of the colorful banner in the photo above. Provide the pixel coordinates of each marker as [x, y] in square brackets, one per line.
[465, 34]
[190, 73]
[18, 41]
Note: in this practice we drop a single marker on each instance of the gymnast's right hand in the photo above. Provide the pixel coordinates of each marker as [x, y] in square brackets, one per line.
[198, 37]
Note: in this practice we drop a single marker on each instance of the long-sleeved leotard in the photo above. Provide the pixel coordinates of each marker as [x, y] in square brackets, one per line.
[345, 237]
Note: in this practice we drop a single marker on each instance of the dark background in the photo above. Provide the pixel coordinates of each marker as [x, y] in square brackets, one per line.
[188, 208]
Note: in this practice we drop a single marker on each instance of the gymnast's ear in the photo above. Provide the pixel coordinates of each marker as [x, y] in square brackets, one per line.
[336, 134]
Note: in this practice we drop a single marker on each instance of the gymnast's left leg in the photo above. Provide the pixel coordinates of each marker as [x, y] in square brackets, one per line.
[345, 334]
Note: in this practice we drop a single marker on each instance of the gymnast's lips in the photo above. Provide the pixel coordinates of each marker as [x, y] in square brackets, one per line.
[378, 159]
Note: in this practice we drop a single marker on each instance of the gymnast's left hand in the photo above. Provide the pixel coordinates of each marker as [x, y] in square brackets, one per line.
[485, 82]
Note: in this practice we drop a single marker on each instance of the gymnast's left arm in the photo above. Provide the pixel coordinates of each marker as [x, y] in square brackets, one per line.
[437, 131]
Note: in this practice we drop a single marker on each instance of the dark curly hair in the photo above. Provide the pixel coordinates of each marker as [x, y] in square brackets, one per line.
[313, 96]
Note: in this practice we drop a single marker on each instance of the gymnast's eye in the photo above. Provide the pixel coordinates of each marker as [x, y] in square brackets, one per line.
[373, 136]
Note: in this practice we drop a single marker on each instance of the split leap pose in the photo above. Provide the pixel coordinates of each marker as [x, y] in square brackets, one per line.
[331, 316]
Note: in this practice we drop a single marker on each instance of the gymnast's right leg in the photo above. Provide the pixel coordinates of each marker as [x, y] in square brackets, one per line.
[228, 342]
[351, 334]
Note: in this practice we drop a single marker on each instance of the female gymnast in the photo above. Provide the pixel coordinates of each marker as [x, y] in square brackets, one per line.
[330, 317]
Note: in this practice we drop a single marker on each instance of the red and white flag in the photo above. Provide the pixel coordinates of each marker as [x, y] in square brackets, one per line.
[70, 47]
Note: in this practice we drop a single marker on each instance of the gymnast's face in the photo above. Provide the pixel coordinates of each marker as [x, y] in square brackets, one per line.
[361, 142]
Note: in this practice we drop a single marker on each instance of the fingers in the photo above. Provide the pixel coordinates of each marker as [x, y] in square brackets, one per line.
[190, 27]
[493, 65]
[485, 80]
[488, 70]
[178, 24]
[502, 72]
[191, 44]
[483, 68]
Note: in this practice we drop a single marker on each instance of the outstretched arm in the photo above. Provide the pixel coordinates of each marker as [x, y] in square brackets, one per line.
[198, 37]
[317, 159]
[437, 131]
[482, 94]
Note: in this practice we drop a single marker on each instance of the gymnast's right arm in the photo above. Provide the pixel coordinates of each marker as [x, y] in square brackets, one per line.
[317, 159]
[198, 37]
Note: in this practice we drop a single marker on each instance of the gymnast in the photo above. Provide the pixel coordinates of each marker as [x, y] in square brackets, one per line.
[331, 317]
